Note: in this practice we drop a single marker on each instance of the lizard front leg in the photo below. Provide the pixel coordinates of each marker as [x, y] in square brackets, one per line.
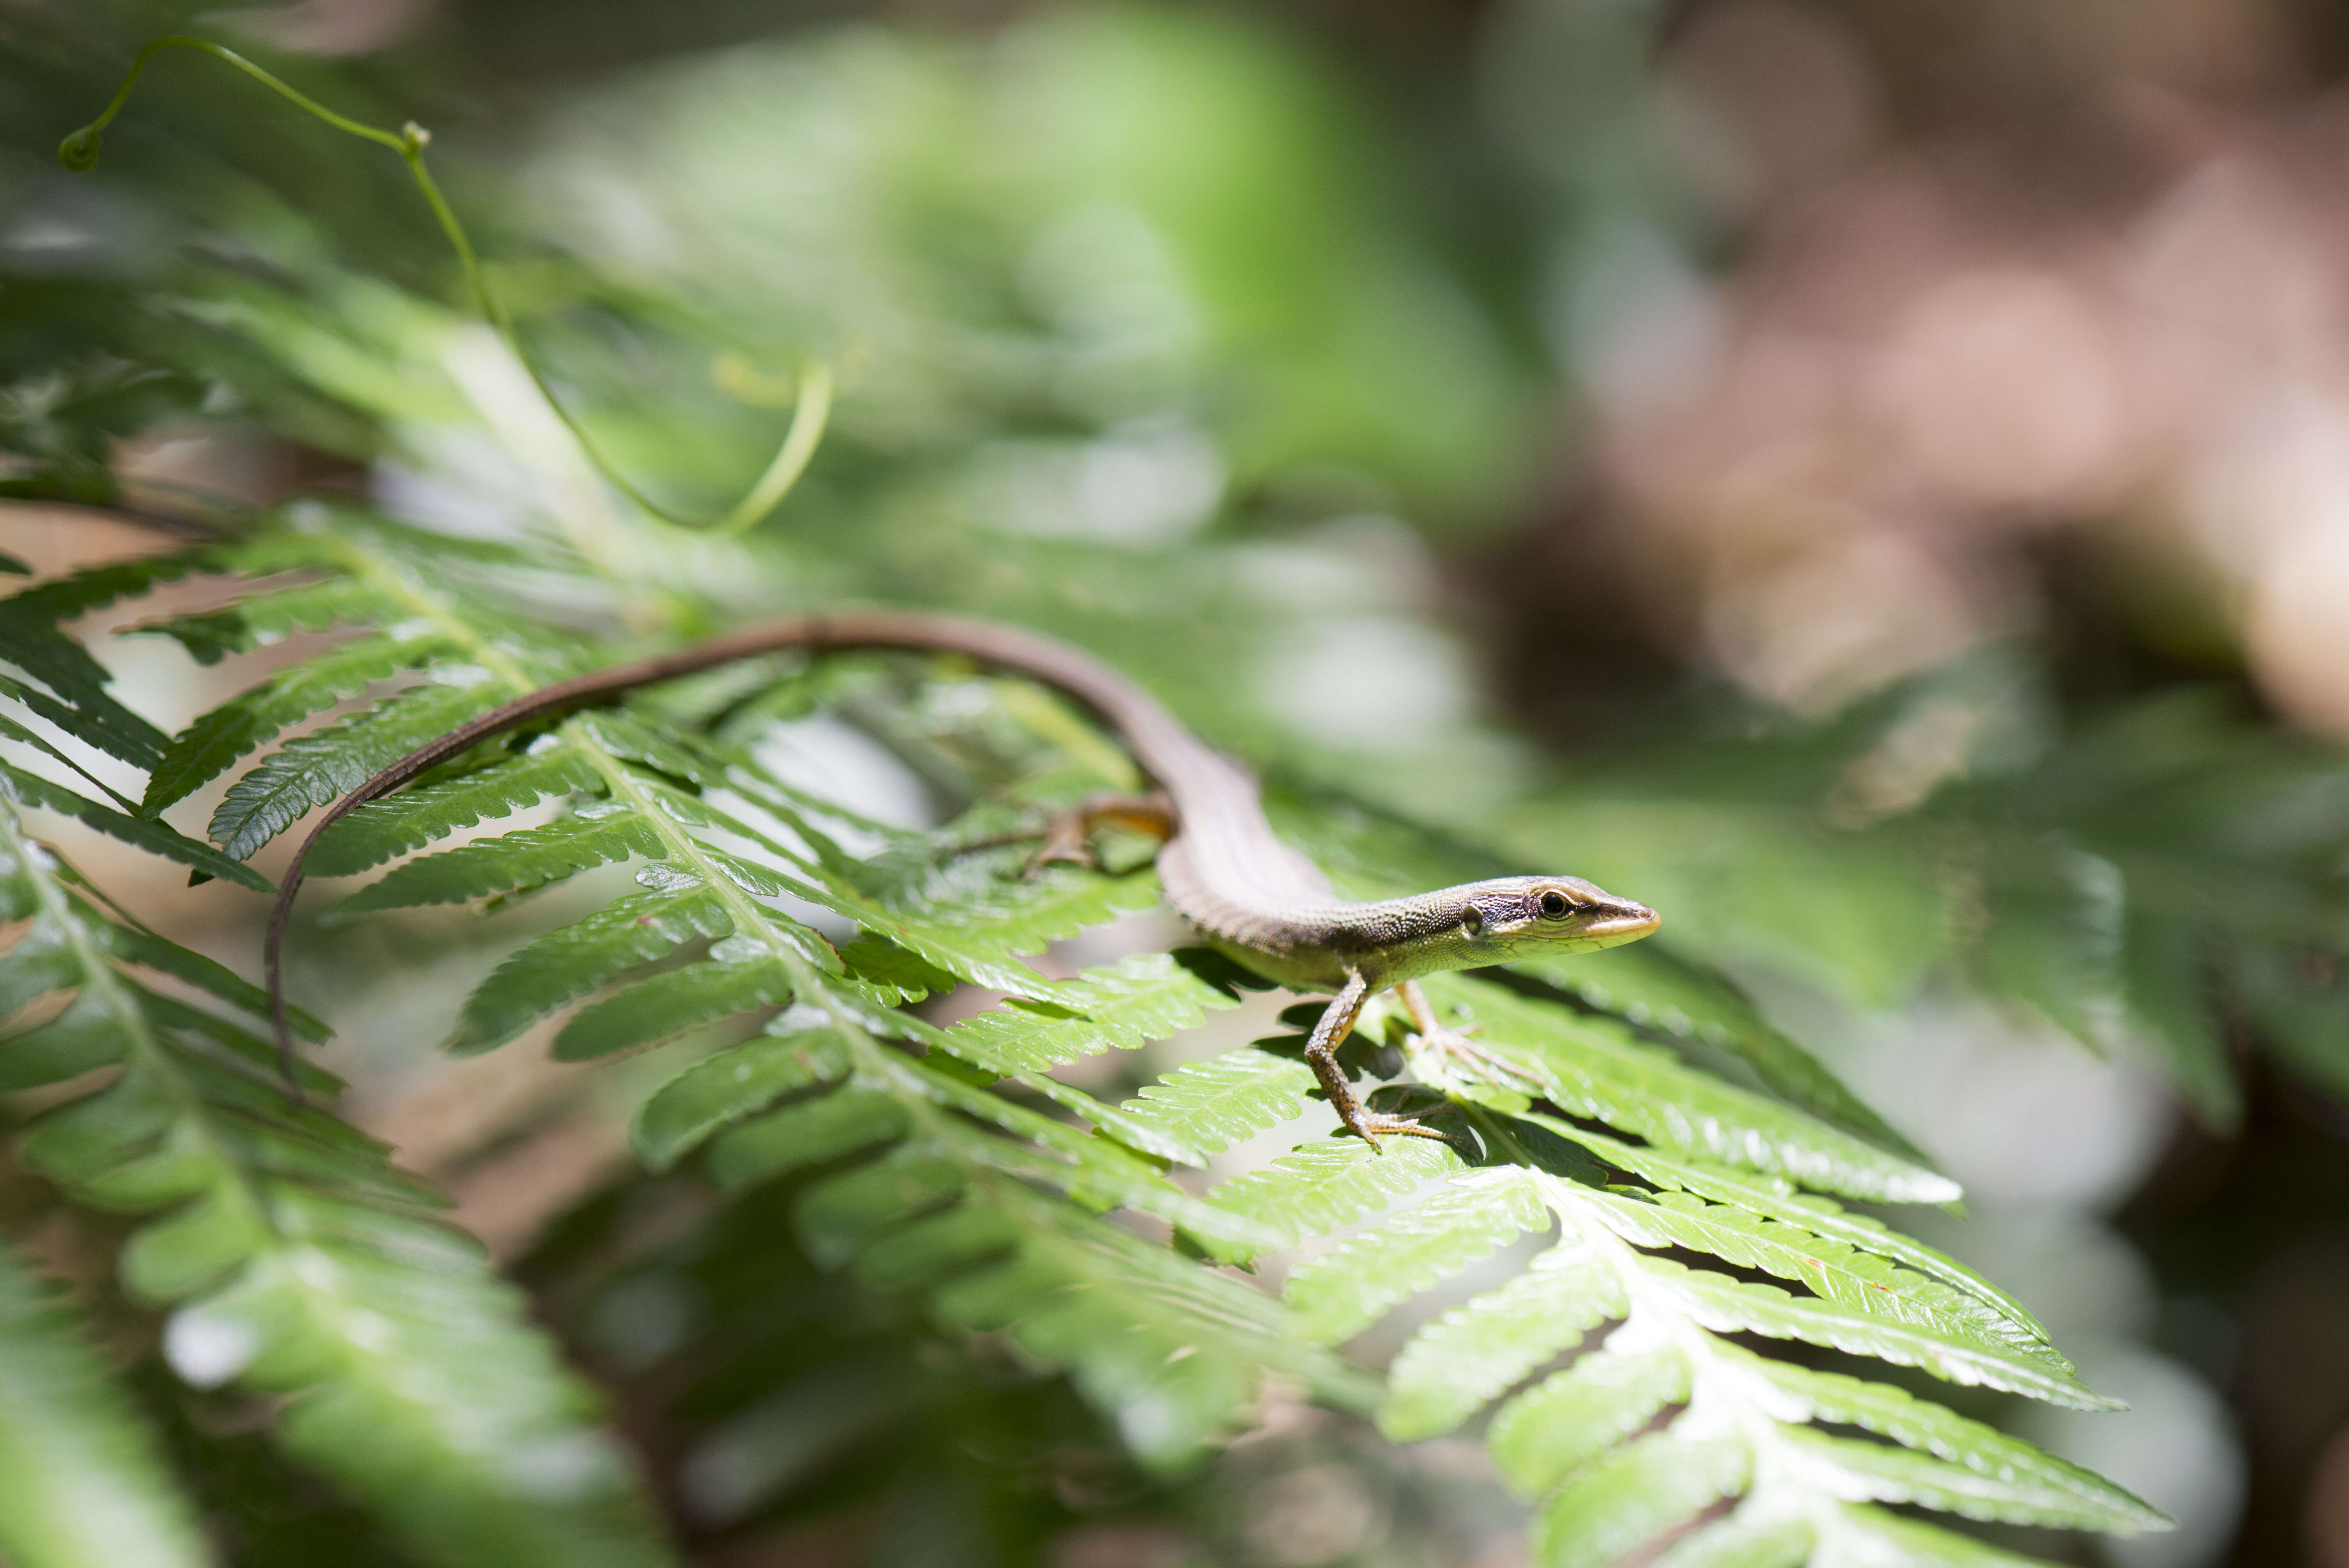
[1321, 1056]
[1455, 1042]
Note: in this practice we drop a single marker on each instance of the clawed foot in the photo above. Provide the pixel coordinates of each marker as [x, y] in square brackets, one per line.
[1369, 1124]
[1488, 1066]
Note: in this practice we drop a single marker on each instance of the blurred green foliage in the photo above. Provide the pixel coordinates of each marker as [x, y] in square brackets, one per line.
[1149, 329]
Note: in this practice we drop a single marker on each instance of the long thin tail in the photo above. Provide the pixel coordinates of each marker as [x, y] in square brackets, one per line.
[1158, 740]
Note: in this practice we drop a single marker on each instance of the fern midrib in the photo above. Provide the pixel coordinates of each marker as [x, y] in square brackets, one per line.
[1714, 1385]
[1643, 1299]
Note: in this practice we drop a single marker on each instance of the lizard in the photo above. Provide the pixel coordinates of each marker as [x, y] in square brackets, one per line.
[1224, 869]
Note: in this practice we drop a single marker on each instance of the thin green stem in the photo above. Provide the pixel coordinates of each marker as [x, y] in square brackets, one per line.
[80, 153]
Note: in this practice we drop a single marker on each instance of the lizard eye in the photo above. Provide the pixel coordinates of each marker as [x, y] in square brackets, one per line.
[1553, 906]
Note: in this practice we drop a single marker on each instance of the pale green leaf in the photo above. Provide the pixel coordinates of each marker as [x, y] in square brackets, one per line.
[2053, 1486]
[83, 1482]
[1632, 1496]
[1333, 1183]
[1342, 1292]
[1573, 1416]
[568, 963]
[1728, 1307]
[1474, 1352]
[1594, 1067]
[1121, 1005]
[1774, 1200]
[1213, 1104]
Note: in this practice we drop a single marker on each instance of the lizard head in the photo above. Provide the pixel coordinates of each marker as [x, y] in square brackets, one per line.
[1529, 917]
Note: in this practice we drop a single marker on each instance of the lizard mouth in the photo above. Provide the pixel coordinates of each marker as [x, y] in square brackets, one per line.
[1623, 922]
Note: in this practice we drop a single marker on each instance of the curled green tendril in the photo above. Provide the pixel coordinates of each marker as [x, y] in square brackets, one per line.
[80, 153]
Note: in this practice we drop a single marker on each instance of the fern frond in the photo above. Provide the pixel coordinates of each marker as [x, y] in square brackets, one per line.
[295, 1259]
[1595, 1067]
[1334, 1183]
[1768, 1200]
[1457, 1364]
[82, 1479]
[319, 768]
[77, 700]
[518, 862]
[956, 1207]
[1119, 1006]
[156, 838]
[1746, 1427]
[210, 744]
[668, 1004]
[733, 1085]
[1210, 1106]
[1649, 984]
[565, 964]
[384, 830]
[267, 618]
[1344, 1291]
[1628, 1496]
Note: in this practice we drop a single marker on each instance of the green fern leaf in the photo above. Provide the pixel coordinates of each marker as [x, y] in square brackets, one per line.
[1631, 1496]
[669, 1004]
[82, 1479]
[1650, 985]
[2051, 1490]
[1775, 1201]
[1555, 1429]
[1593, 1067]
[265, 619]
[294, 1260]
[133, 945]
[1470, 1355]
[674, 908]
[319, 768]
[1882, 1473]
[1122, 1006]
[1333, 1183]
[1850, 1279]
[977, 938]
[815, 1133]
[92, 717]
[79, 703]
[156, 838]
[1337, 1295]
[1870, 1534]
[383, 830]
[17, 732]
[723, 1088]
[520, 862]
[1750, 1538]
[1211, 1105]
[210, 744]
[1730, 1306]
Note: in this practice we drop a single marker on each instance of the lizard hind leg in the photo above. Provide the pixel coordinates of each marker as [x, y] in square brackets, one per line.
[1068, 838]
